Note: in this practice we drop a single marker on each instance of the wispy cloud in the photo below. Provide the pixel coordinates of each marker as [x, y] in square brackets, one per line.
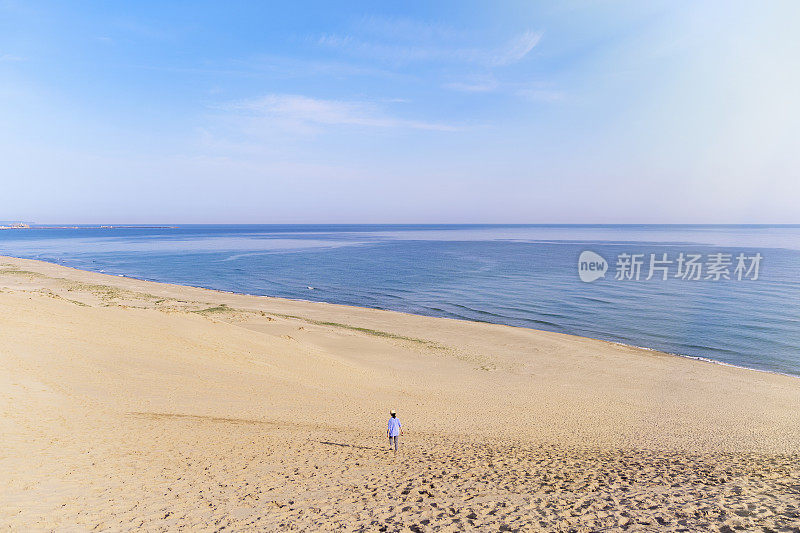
[513, 51]
[400, 28]
[10, 58]
[474, 86]
[303, 113]
[517, 49]
[540, 92]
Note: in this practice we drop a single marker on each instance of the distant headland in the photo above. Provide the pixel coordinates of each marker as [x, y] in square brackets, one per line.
[22, 225]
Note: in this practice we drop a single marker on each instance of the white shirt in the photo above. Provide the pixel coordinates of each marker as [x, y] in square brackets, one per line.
[394, 427]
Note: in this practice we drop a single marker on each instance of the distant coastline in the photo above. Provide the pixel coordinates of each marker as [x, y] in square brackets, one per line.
[28, 226]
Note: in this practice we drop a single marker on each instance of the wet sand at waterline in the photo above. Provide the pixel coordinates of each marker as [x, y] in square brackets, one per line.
[129, 404]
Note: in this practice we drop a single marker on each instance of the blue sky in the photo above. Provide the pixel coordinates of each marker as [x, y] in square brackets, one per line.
[407, 112]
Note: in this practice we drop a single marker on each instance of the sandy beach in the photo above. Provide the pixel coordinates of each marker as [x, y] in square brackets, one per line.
[128, 404]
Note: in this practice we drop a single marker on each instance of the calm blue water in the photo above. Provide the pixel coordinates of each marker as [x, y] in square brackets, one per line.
[518, 275]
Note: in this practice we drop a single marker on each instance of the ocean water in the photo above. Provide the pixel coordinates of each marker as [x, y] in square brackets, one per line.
[516, 275]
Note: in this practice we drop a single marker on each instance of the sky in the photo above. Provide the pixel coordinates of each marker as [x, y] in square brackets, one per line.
[400, 112]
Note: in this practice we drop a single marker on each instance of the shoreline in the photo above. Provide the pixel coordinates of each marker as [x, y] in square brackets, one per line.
[465, 320]
[700, 359]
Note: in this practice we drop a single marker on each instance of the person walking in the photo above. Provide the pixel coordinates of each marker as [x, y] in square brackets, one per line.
[394, 431]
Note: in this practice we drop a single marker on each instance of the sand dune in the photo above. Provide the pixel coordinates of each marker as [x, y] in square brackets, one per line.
[127, 404]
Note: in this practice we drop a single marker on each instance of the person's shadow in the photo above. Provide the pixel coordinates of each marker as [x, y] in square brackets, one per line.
[346, 445]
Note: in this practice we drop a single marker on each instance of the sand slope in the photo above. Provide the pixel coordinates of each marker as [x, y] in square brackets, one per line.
[128, 404]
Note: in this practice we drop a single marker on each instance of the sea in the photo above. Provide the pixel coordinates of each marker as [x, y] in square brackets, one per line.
[724, 293]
